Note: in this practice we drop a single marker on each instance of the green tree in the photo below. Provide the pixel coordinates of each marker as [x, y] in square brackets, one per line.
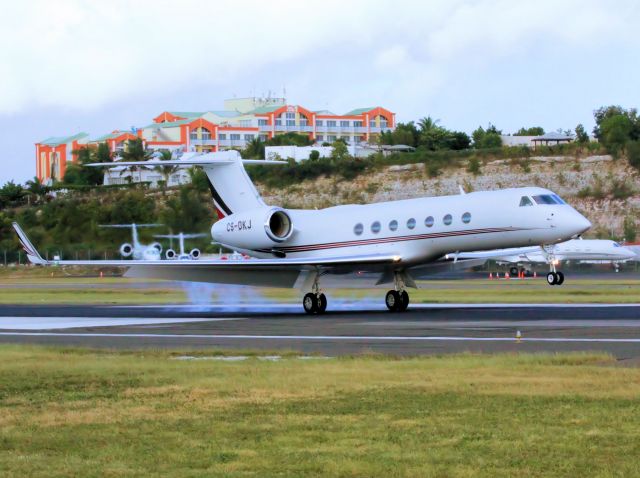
[134, 151]
[340, 151]
[489, 138]
[199, 179]
[290, 139]
[254, 149]
[633, 154]
[11, 193]
[532, 131]
[630, 229]
[168, 170]
[314, 155]
[615, 133]
[37, 189]
[607, 112]
[404, 133]
[581, 134]
[186, 212]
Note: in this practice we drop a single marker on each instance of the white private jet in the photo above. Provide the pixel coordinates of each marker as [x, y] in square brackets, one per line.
[398, 240]
[573, 250]
[170, 254]
[140, 252]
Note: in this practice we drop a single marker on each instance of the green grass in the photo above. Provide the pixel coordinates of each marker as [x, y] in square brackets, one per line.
[114, 290]
[66, 412]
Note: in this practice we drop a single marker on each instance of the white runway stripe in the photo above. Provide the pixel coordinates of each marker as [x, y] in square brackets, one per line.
[326, 337]
[40, 323]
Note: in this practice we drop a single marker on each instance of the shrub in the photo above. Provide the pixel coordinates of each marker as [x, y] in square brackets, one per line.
[474, 166]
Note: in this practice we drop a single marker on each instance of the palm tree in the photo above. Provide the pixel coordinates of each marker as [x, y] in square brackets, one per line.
[428, 124]
[36, 188]
[135, 152]
[166, 171]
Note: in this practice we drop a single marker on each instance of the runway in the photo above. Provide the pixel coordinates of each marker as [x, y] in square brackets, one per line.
[423, 329]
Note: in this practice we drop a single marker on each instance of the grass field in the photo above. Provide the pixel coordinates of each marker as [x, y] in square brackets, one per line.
[110, 290]
[88, 413]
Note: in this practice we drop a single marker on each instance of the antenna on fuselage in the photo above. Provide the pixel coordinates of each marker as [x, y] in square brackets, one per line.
[461, 190]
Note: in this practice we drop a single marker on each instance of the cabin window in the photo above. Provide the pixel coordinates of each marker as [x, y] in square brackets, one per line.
[429, 221]
[375, 227]
[411, 223]
[466, 217]
[447, 220]
[393, 225]
[525, 201]
[357, 230]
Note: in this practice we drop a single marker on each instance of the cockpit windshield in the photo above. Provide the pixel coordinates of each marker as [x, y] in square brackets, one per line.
[548, 199]
[615, 244]
[525, 201]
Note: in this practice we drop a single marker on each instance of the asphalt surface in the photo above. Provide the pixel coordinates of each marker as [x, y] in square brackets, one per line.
[430, 329]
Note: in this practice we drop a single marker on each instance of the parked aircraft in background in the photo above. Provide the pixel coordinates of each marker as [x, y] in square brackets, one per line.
[574, 250]
[140, 252]
[399, 241]
[170, 254]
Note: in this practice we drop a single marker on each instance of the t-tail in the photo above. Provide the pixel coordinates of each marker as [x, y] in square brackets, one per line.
[231, 188]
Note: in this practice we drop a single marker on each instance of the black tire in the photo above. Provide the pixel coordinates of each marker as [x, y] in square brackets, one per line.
[560, 278]
[393, 300]
[310, 303]
[552, 278]
[513, 271]
[404, 301]
[322, 303]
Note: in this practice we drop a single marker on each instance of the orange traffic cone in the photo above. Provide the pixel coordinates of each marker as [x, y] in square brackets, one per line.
[506, 275]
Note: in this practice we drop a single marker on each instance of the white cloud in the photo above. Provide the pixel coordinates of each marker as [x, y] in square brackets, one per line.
[83, 54]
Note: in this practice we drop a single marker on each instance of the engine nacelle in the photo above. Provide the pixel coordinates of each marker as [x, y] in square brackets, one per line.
[258, 229]
[170, 254]
[195, 254]
[158, 246]
[126, 249]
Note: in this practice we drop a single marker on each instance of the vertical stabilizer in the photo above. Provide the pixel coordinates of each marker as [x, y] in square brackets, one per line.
[230, 185]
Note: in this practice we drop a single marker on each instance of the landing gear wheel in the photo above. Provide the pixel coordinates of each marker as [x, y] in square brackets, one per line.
[393, 300]
[560, 278]
[513, 271]
[404, 301]
[310, 303]
[322, 303]
[552, 278]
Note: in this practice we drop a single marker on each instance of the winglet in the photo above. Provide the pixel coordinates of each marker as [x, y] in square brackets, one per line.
[32, 254]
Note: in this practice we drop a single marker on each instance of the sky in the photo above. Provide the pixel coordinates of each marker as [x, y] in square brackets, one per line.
[82, 65]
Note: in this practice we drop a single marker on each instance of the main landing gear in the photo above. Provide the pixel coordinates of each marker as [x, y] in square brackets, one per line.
[397, 300]
[315, 302]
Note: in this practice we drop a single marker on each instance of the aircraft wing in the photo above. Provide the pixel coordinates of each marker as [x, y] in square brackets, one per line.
[497, 253]
[257, 272]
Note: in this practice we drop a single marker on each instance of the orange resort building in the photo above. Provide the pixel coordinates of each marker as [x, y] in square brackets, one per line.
[241, 120]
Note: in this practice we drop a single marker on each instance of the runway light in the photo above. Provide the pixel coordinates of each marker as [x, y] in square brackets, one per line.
[518, 336]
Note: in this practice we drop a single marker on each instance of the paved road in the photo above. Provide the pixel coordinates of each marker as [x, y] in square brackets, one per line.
[433, 329]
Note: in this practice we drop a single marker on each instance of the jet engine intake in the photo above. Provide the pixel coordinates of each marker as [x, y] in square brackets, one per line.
[126, 249]
[261, 228]
[170, 254]
[195, 254]
[158, 246]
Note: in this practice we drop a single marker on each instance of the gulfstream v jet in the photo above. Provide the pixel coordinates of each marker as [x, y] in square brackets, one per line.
[397, 241]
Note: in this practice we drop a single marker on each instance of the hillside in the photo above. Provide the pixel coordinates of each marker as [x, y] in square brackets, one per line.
[607, 191]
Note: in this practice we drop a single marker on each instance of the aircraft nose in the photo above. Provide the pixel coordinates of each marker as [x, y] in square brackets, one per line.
[579, 223]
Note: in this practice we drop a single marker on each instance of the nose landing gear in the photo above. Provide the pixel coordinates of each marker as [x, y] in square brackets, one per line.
[397, 299]
[553, 277]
